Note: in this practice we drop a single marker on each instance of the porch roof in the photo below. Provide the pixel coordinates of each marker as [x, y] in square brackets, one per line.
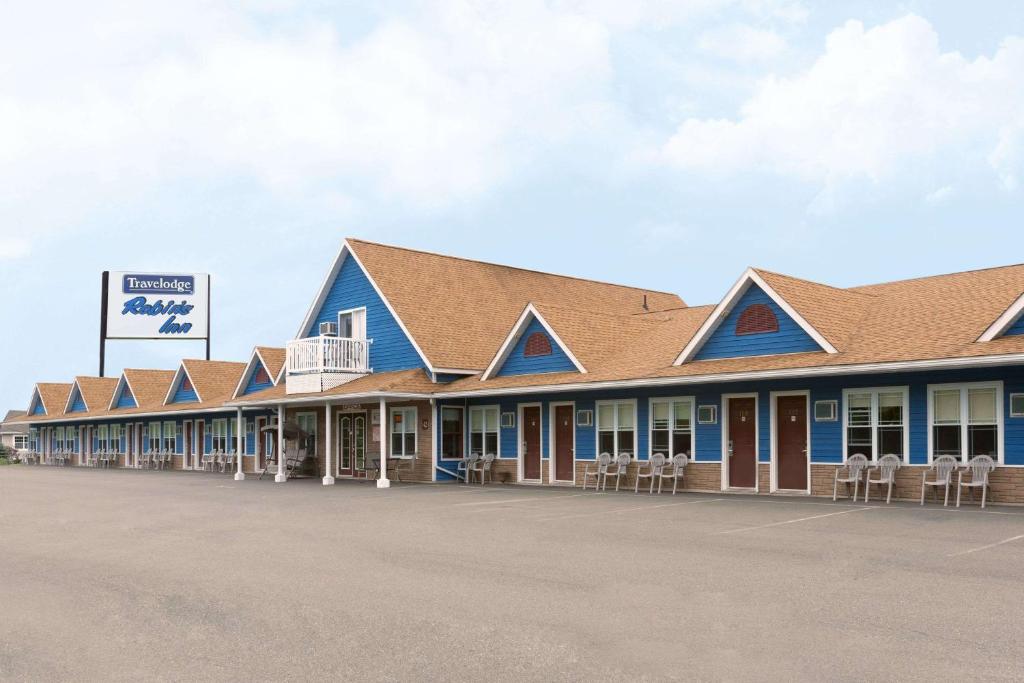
[414, 383]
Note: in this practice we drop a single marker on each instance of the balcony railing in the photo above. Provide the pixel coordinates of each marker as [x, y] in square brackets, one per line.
[328, 354]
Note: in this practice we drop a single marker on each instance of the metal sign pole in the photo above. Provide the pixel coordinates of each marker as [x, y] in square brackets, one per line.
[103, 320]
[208, 331]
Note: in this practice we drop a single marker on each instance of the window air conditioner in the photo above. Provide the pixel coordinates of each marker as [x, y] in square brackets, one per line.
[329, 329]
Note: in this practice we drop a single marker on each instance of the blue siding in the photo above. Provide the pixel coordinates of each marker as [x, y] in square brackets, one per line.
[183, 396]
[725, 343]
[445, 378]
[126, 400]
[37, 407]
[391, 349]
[519, 364]
[1016, 328]
[78, 405]
[252, 385]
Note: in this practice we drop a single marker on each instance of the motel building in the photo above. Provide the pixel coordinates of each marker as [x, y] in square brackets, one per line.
[427, 360]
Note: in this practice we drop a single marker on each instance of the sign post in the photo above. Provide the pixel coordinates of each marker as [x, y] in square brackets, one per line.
[154, 306]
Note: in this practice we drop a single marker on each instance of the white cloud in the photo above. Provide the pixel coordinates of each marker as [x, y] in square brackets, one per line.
[878, 105]
[741, 43]
[939, 196]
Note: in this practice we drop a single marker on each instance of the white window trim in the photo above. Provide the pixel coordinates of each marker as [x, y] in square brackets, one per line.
[353, 311]
[149, 437]
[650, 423]
[406, 410]
[469, 426]
[465, 431]
[1013, 396]
[874, 392]
[173, 435]
[963, 387]
[597, 426]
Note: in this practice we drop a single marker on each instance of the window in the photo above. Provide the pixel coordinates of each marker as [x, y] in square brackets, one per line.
[876, 422]
[403, 432]
[672, 426]
[757, 319]
[483, 430]
[103, 438]
[508, 420]
[115, 438]
[964, 420]
[220, 435]
[1016, 405]
[585, 418]
[307, 423]
[537, 344]
[154, 437]
[616, 427]
[69, 439]
[169, 442]
[825, 411]
[452, 433]
[59, 437]
[20, 442]
[707, 415]
[352, 324]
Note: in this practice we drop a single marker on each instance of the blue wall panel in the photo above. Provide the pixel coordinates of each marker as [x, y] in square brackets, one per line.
[182, 395]
[37, 407]
[252, 385]
[725, 343]
[518, 363]
[125, 398]
[391, 349]
[1016, 328]
[78, 404]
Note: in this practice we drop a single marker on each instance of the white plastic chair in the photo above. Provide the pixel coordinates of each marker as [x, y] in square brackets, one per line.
[980, 467]
[854, 472]
[482, 467]
[618, 468]
[655, 466]
[674, 469]
[942, 474]
[598, 470]
[886, 475]
[465, 465]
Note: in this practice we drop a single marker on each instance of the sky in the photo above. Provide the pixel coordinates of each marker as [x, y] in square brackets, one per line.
[662, 144]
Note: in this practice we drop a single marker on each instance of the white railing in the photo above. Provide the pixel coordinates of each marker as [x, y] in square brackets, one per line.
[328, 354]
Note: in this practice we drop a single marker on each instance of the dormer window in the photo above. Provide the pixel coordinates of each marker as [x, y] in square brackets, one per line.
[537, 344]
[352, 324]
[757, 319]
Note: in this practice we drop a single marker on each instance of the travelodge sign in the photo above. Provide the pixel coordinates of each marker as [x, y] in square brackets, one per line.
[157, 305]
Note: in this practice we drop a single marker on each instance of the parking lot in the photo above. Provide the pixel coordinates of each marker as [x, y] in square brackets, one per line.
[118, 575]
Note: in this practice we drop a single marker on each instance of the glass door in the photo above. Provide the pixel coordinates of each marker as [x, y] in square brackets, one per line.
[351, 444]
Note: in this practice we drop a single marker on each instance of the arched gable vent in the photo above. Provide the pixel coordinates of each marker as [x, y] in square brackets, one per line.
[186, 384]
[261, 376]
[537, 344]
[757, 319]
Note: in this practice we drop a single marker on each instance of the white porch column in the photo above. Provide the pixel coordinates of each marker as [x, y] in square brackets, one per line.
[435, 413]
[328, 445]
[382, 481]
[240, 448]
[280, 477]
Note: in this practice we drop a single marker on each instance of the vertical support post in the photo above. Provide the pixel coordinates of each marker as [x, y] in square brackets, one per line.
[435, 414]
[382, 481]
[240, 448]
[328, 446]
[103, 320]
[208, 330]
[280, 477]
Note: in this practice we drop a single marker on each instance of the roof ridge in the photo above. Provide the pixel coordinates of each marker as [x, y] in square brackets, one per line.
[936, 276]
[508, 267]
[846, 290]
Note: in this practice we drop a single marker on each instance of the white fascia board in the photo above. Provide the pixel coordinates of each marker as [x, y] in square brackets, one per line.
[122, 382]
[177, 380]
[131, 417]
[332, 399]
[814, 371]
[722, 310]
[37, 396]
[1004, 322]
[249, 367]
[530, 312]
[324, 287]
[71, 395]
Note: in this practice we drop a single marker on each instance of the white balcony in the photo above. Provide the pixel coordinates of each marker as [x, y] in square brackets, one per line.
[320, 363]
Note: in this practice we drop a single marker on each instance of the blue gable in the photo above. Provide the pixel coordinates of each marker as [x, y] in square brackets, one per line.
[725, 343]
[1016, 328]
[184, 395]
[77, 405]
[125, 399]
[252, 384]
[391, 348]
[37, 407]
[518, 363]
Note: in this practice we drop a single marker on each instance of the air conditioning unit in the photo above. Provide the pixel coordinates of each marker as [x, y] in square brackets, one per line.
[328, 329]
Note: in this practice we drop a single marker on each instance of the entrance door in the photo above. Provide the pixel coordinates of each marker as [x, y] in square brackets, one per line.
[186, 462]
[743, 442]
[200, 443]
[564, 443]
[791, 442]
[352, 444]
[531, 442]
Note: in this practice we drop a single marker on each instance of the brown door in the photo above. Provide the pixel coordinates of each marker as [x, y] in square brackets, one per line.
[186, 461]
[200, 444]
[564, 443]
[791, 442]
[531, 442]
[743, 442]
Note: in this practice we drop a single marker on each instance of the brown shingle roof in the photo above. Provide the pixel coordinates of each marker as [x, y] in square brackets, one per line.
[273, 358]
[459, 310]
[96, 392]
[54, 397]
[149, 387]
[400, 382]
[214, 380]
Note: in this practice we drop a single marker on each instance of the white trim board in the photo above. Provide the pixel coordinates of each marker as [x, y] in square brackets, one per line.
[176, 380]
[1004, 322]
[724, 308]
[75, 386]
[121, 383]
[247, 373]
[346, 250]
[529, 313]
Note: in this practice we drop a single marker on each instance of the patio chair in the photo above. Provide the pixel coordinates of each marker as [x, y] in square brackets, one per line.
[227, 462]
[598, 470]
[465, 465]
[483, 467]
[941, 470]
[618, 468]
[674, 469]
[402, 463]
[979, 468]
[886, 475]
[854, 472]
[209, 460]
[655, 466]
